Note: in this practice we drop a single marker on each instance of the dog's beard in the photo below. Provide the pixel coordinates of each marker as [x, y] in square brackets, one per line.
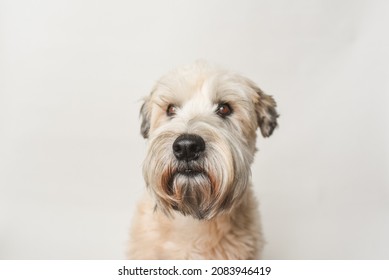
[191, 192]
[186, 187]
[203, 188]
[194, 189]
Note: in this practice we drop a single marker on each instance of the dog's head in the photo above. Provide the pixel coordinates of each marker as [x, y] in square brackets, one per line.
[201, 125]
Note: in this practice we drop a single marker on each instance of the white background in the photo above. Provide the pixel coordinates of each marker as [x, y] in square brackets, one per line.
[72, 74]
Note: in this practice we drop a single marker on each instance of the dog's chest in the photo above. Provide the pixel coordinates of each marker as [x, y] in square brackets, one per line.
[233, 236]
[188, 238]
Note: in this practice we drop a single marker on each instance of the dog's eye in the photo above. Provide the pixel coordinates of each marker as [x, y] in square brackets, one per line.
[171, 110]
[224, 110]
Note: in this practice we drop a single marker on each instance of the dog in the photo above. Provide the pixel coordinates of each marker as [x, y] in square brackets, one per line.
[200, 123]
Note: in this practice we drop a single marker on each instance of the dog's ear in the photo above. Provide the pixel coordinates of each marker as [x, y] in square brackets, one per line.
[267, 115]
[145, 114]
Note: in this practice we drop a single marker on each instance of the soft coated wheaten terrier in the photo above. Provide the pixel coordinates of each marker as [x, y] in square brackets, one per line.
[201, 125]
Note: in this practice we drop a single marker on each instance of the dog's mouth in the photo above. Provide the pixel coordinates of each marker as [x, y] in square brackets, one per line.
[189, 169]
[190, 172]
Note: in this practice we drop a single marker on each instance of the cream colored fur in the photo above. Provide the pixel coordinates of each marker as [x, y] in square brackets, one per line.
[212, 214]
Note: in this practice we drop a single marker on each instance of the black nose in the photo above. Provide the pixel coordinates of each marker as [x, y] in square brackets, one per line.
[188, 147]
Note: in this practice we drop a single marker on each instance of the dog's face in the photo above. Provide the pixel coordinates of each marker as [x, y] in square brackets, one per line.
[201, 126]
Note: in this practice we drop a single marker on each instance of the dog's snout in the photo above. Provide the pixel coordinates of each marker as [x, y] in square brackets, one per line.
[188, 147]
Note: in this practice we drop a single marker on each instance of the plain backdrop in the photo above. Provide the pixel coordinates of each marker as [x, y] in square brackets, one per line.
[72, 74]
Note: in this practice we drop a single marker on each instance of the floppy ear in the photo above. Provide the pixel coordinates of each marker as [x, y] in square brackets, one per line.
[267, 115]
[145, 114]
